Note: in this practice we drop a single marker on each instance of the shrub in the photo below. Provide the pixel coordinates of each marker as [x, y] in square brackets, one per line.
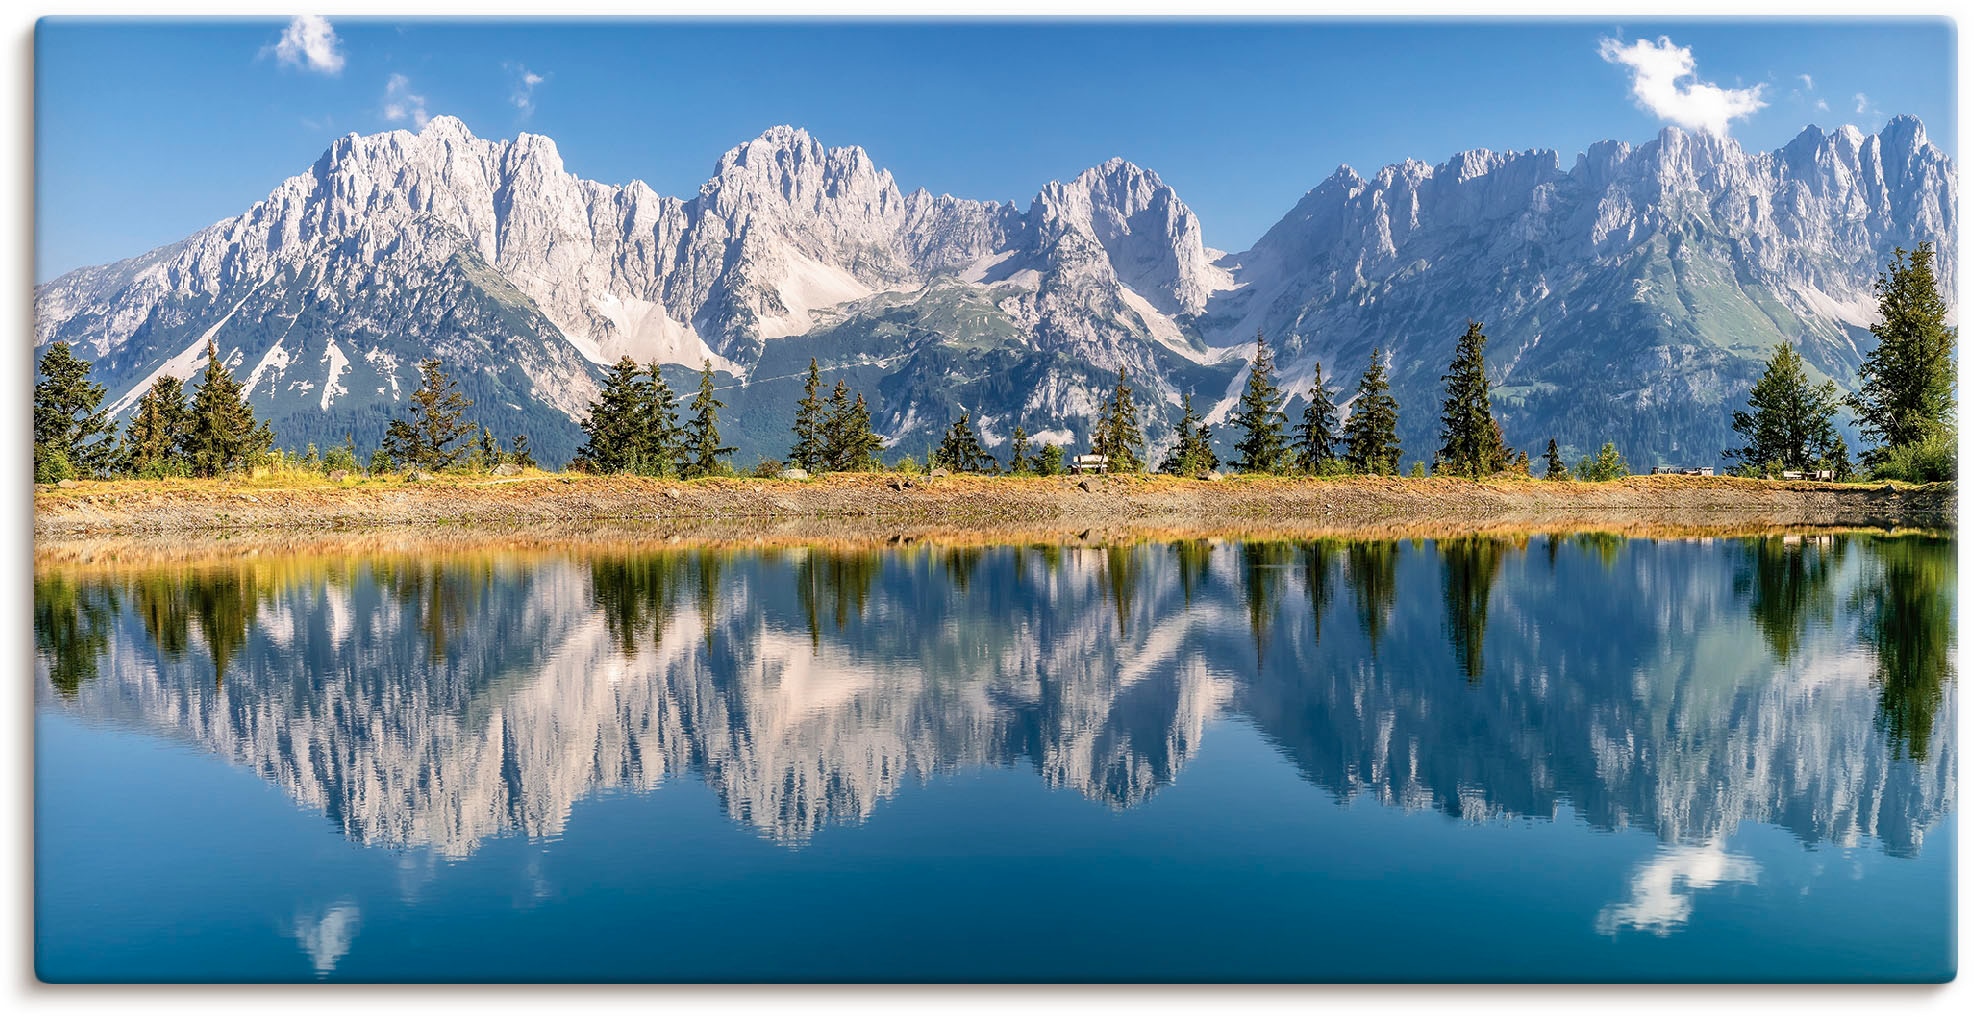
[1419, 470]
[908, 465]
[1608, 465]
[51, 466]
[1933, 459]
[380, 463]
[767, 468]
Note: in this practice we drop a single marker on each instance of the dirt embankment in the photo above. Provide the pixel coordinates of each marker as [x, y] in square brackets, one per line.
[849, 505]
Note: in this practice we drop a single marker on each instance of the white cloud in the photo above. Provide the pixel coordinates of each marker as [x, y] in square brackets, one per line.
[1863, 103]
[525, 80]
[401, 104]
[1809, 84]
[1823, 106]
[310, 44]
[1664, 82]
[1662, 889]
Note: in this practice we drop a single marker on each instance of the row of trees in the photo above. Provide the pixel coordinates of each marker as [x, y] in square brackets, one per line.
[634, 427]
[212, 431]
[1904, 403]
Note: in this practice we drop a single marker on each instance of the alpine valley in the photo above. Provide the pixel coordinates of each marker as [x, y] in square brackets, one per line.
[1630, 296]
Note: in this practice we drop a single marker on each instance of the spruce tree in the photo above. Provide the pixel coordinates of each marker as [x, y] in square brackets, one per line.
[1316, 436]
[524, 453]
[151, 439]
[1124, 435]
[1048, 462]
[664, 438]
[69, 420]
[1905, 392]
[433, 432]
[1018, 454]
[1371, 433]
[1259, 416]
[1470, 438]
[617, 431]
[702, 432]
[1553, 468]
[1794, 425]
[224, 435]
[850, 445]
[807, 452]
[1192, 455]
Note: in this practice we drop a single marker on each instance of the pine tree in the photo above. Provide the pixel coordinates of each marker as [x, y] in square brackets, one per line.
[1553, 464]
[1316, 436]
[1192, 455]
[1123, 434]
[1018, 454]
[224, 434]
[1259, 416]
[1470, 437]
[702, 432]
[961, 451]
[1905, 392]
[1048, 462]
[1371, 433]
[433, 432]
[617, 432]
[1794, 425]
[151, 439]
[808, 450]
[69, 420]
[524, 453]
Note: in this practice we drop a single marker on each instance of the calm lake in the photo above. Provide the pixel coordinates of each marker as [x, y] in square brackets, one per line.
[1554, 757]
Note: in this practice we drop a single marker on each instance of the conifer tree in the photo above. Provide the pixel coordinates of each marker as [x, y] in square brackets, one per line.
[490, 456]
[1259, 416]
[617, 433]
[1018, 454]
[224, 434]
[433, 432]
[1794, 425]
[850, 445]
[524, 453]
[1906, 385]
[807, 452]
[961, 451]
[1316, 436]
[69, 420]
[151, 439]
[702, 432]
[1371, 433]
[1470, 437]
[1553, 468]
[1048, 462]
[1192, 455]
[664, 437]
[1123, 435]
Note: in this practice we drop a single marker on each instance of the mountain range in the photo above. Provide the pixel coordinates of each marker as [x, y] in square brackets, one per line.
[1631, 296]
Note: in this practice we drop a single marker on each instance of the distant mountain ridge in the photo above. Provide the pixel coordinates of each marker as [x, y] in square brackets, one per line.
[1630, 297]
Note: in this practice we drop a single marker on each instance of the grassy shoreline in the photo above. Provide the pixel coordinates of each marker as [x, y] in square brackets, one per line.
[852, 505]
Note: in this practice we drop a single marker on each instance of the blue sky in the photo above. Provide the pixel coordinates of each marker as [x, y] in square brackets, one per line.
[147, 131]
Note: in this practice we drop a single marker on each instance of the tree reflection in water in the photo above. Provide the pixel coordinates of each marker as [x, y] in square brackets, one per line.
[393, 692]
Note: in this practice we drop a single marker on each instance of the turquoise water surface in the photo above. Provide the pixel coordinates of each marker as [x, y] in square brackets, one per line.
[1559, 757]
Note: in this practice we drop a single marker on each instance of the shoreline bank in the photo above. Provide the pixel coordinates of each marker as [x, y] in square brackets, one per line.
[863, 505]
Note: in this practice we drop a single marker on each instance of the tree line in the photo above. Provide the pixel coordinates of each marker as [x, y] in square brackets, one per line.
[212, 431]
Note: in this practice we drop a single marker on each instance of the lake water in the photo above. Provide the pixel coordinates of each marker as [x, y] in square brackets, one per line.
[1577, 757]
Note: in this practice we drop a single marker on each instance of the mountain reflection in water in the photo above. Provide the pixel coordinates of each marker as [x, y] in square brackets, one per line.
[1681, 686]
